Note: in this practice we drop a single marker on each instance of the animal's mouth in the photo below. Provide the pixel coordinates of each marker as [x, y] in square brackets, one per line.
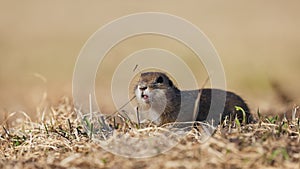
[144, 96]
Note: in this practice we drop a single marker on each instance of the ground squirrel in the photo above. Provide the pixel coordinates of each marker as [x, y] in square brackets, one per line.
[160, 101]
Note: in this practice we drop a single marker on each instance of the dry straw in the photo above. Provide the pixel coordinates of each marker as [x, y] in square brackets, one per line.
[58, 140]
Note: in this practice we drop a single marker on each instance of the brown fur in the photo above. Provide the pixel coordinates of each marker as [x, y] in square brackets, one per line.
[180, 104]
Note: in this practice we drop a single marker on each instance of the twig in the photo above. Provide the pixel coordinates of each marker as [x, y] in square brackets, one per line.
[197, 101]
[6, 131]
[138, 116]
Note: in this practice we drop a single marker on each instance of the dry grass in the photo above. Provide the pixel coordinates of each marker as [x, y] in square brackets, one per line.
[57, 140]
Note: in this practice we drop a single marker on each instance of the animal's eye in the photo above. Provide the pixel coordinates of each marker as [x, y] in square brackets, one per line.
[160, 79]
[170, 83]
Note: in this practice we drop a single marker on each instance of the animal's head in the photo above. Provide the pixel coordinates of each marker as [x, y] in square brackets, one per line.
[152, 88]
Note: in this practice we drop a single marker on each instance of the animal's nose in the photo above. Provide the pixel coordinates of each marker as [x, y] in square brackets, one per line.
[143, 88]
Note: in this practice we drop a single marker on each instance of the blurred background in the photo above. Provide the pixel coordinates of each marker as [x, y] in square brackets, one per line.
[257, 41]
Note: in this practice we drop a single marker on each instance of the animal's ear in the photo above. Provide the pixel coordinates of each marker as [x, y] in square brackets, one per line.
[160, 79]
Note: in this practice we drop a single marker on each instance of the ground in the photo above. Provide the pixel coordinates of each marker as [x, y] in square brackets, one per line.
[57, 140]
